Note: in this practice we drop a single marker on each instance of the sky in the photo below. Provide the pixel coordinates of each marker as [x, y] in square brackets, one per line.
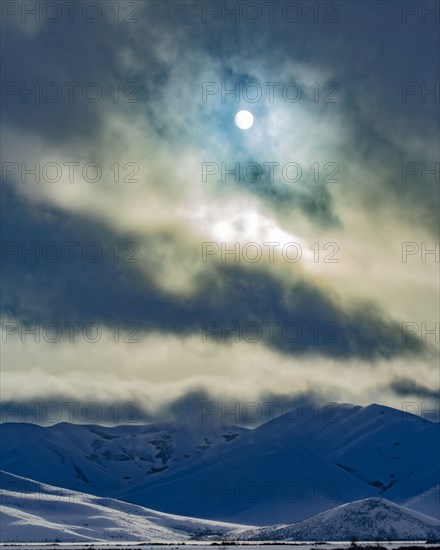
[156, 256]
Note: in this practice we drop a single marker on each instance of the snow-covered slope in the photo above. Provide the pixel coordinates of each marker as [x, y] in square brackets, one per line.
[103, 460]
[427, 502]
[301, 464]
[257, 480]
[36, 512]
[365, 520]
[285, 470]
[389, 449]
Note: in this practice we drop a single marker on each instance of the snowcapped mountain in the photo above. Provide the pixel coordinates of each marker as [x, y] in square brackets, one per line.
[288, 469]
[103, 460]
[36, 512]
[393, 451]
[366, 520]
[303, 463]
[256, 480]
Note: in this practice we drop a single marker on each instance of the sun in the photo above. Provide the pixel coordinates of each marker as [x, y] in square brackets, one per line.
[244, 120]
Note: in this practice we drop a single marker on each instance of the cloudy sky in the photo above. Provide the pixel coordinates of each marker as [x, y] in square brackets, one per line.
[118, 137]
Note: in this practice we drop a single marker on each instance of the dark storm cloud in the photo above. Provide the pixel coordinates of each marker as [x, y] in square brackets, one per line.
[405, 387]
[302, 318]
[198, 409]
[369, 77]
[370, 132]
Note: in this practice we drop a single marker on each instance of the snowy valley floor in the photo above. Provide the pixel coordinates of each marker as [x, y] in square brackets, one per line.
[210, 546]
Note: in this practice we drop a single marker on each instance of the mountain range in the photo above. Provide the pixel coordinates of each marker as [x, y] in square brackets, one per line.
[290, 469]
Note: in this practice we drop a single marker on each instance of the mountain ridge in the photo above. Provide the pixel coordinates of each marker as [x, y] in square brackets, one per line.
[286, 469]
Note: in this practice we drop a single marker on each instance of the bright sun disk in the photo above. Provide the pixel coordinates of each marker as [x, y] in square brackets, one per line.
[244, 120]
